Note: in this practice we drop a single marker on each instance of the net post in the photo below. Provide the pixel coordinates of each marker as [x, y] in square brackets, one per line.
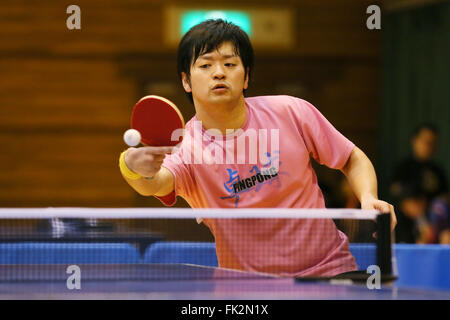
[383, 250]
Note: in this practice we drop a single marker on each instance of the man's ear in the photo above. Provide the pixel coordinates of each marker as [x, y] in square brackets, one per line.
[186, 82]
[246, 79]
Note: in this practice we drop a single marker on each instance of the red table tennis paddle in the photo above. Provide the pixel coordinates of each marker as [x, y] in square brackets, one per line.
[156, 118]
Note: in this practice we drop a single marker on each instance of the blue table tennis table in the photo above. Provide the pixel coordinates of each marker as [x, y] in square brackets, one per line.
[183, 282]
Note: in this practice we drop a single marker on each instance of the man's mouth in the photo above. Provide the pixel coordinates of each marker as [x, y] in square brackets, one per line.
[219, 87]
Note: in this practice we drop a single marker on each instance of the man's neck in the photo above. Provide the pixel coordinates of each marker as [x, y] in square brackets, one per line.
[223, 117]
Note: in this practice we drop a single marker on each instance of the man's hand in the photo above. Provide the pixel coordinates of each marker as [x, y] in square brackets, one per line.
[146, 161]
[371, 203]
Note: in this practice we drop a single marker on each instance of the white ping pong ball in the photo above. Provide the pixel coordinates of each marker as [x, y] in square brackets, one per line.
[132, 137]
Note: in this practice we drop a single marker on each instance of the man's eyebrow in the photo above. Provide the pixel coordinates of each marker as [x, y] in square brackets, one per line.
[209, 57]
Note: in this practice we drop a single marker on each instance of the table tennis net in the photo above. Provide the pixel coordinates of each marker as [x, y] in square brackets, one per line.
[140, 244]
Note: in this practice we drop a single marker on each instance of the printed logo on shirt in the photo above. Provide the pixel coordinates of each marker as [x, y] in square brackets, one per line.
[256, 179]
[260, 177]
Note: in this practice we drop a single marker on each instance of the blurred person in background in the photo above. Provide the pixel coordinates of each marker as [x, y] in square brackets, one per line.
[439, 220]
[420, 222]
[419, 168]
[412, 222]
[419, 189]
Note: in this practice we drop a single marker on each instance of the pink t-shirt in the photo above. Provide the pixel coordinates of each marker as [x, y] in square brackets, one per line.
[266, 165]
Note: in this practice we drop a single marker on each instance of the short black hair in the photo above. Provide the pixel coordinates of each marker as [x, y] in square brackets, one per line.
[425, 125]
[208, 36]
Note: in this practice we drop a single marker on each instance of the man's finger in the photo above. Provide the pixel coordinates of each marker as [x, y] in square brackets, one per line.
[158, 150]
[383, 207]
[393, 218]
[157, 157]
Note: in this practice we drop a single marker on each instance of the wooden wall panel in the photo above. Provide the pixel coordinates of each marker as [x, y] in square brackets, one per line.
[43, 93]
[321, 27]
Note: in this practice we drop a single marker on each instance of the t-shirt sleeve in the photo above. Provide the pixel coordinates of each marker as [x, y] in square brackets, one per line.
[182, 178]
[325, 144]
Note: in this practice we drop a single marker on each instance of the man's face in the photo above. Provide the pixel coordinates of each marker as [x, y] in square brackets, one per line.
[217, 77]
[424, 144]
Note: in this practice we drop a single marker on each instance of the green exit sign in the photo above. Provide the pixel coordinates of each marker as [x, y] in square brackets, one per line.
[192, 18]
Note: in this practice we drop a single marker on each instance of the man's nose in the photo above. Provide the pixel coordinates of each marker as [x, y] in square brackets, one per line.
[219, 72]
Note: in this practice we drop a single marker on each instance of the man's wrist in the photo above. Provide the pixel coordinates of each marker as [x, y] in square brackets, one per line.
[127, 172]
[368, 197]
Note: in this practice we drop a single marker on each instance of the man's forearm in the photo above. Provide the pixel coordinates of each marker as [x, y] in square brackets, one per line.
[361, 175]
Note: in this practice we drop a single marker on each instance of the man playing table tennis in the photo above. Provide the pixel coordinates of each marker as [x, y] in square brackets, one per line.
[215, 61]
